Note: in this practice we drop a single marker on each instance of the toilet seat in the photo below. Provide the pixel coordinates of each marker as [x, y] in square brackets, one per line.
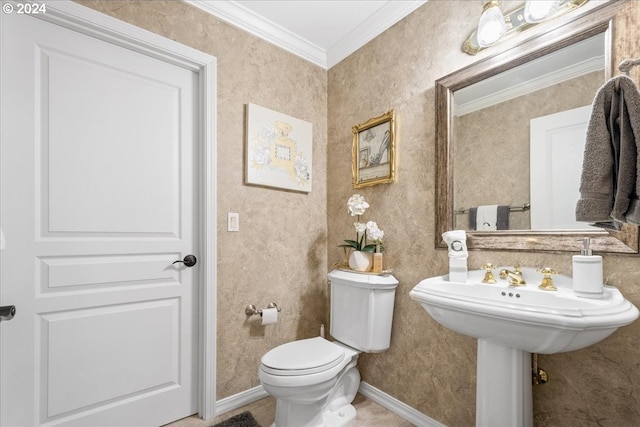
[303, 357]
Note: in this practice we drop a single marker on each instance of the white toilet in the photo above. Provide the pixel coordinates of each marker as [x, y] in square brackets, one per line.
[315, 380]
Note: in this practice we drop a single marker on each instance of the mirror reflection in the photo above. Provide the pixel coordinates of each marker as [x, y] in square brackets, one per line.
[520, 135]
[540, 42]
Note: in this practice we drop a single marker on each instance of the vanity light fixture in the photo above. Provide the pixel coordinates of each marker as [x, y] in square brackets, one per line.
[538, 11]
[494, 25]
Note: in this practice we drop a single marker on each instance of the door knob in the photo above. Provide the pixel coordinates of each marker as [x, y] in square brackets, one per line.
[189, 261]
[7, 312]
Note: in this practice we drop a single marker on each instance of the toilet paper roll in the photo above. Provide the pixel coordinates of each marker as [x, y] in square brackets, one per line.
[269, 316]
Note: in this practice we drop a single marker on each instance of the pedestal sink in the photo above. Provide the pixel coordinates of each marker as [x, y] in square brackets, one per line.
[510, 323]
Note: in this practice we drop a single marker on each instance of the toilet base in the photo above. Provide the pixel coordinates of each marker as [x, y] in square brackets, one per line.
[332, 410]
[336, 419]
[340, 417]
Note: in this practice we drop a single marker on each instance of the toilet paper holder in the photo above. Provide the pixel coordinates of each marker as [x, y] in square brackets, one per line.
[251, 309]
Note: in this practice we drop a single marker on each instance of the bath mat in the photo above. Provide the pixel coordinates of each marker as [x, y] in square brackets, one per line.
[245, 419]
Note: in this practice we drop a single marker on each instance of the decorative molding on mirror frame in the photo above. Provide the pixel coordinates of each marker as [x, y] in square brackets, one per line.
[539, 41]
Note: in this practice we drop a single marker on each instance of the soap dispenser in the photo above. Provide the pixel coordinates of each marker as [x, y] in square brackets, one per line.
[587, 272]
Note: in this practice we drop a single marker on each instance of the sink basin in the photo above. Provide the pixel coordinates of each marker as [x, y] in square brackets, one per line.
[510, 323]
[525, 318]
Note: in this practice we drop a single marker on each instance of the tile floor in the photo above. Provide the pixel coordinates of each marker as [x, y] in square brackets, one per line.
[370, 414]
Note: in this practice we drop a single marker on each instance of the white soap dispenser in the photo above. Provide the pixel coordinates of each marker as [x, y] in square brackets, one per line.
[587, 272]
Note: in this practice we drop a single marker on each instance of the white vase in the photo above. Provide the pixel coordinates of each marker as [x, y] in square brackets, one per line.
[360, 261]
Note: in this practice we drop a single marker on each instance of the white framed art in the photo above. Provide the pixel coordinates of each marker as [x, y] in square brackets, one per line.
[278, 150]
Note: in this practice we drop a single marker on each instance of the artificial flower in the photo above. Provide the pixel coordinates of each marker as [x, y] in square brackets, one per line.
[374, 233]
[357, 205]
[364, 231]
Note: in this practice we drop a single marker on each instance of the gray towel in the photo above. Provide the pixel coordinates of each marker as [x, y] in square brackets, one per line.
[502, 218]
[610, 183]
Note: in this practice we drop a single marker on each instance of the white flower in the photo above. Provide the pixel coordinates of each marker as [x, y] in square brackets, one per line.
[267, 134]
[301, 167]
[368, 236]
[373, 232]
[357, 205]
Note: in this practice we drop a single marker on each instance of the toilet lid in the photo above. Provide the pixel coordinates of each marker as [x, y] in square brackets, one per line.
[303, 357]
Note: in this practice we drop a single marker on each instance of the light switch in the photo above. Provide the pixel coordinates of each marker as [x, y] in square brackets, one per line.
[233, 221]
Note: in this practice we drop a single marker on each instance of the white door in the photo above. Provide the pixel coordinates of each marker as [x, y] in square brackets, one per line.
[557, 148]
[98, 199]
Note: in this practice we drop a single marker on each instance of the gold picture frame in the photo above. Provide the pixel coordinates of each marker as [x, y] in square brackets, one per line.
[374, 154]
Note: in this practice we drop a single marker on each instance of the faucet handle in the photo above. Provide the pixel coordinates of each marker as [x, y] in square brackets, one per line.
[547, 281]
[488, 276]
[517, 269]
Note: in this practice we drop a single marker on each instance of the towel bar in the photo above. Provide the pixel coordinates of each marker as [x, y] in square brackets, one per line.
[522, 208]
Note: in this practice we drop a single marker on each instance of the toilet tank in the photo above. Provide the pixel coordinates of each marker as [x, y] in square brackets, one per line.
[362, 309]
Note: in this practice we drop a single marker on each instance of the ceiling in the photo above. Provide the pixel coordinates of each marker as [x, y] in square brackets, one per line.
[323, 32]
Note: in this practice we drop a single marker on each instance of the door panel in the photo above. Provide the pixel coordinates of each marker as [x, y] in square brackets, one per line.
[99, 273]
[78, 164]
[99, 186]
[82, 340]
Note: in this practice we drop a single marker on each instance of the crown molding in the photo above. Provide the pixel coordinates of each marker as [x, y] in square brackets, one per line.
[383, 19]
[247, 20]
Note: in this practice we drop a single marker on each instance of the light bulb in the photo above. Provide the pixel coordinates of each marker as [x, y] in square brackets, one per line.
[491, 26]
[539, 10]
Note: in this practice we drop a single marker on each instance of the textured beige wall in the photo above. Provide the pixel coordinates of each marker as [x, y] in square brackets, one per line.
[428, 367]
[281, 250]
[493, 145]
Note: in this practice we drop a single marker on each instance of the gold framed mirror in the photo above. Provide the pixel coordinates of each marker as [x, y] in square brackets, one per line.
[540, 41]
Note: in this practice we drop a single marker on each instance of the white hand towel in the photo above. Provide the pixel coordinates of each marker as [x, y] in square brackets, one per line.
[487, 218]
[456, 240]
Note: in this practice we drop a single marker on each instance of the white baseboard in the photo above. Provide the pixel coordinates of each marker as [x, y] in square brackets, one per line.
[380, 397]
[240, 399]
[394, 405]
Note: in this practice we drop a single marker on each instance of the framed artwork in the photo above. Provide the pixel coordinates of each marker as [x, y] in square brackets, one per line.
[278, 150]
[374, 151]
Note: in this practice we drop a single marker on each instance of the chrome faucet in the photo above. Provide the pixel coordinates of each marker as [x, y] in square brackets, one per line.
[515, 277]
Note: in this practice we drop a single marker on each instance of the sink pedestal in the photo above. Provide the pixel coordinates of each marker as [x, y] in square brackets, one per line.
[503, 387]
[510, 324]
